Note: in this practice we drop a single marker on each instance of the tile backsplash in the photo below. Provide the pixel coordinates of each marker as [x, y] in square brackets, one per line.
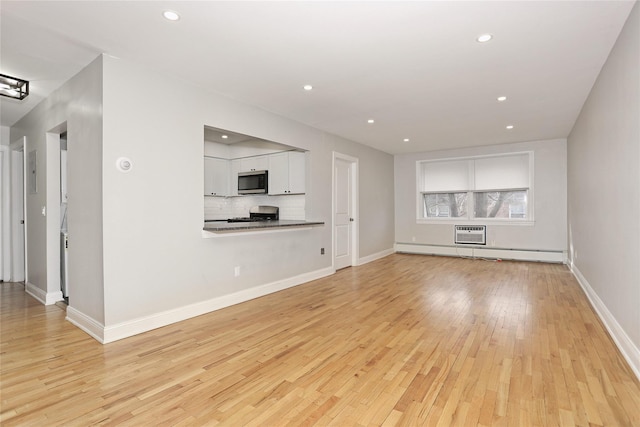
[291, 206]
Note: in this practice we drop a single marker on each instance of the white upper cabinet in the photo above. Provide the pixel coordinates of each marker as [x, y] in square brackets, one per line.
[216, 177]
[287, 173]
[256, 163]
[233, 177]
[278, 173]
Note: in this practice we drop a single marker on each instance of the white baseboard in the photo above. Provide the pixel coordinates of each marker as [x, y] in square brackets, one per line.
[629, 351]
[107, 334]
[373, 257]
[483, 252]
[46, 298]
[86, 323]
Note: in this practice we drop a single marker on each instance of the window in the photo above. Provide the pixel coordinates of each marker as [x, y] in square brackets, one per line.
[500, 204]
[488, 187]
[445, 205]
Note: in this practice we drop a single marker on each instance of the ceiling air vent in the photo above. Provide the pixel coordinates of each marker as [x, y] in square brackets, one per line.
[471, 234]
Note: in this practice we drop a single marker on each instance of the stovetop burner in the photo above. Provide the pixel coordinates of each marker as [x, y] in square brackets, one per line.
[245, 219]
[259, 213]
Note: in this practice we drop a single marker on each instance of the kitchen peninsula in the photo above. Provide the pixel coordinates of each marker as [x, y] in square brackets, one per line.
[227, 227]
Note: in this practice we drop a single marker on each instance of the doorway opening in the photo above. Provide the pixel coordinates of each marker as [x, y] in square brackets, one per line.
[64, 234]
[57, 145]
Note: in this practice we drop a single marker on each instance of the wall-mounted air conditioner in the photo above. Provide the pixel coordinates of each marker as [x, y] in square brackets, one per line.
[470, 234]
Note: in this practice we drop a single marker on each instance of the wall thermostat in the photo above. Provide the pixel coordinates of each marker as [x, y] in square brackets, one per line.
[124, 164]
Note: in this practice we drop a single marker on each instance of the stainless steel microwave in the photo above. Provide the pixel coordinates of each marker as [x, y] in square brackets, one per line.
[254, 182]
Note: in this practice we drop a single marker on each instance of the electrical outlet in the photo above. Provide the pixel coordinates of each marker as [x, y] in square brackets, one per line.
[413, 239]
[321, 251]
[236, 271]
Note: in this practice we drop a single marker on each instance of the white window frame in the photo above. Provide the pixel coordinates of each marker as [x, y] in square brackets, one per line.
[470, 218]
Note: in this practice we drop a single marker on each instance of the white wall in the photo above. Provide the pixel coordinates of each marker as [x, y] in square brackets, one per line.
[604, 192]
[78, 106]
[5, 132]
[215, 149]
[155, 259]
[253, 148]
[136, 250]
[549, 229]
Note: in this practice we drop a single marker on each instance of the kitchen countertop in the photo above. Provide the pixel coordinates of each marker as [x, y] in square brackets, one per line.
[222, 227]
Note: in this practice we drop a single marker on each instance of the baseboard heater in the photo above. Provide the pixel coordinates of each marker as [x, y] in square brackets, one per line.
[477, 251]
[470, 234]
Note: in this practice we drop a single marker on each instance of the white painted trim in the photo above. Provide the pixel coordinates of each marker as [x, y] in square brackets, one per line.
[107, 334]
[35, 292]
[86, 323]
[46, 298]
[51, 189]
[483, 252]
[376, 256]
[629, 350]
[483, 221]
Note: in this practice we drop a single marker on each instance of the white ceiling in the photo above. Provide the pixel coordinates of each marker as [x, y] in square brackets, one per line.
[414, 67]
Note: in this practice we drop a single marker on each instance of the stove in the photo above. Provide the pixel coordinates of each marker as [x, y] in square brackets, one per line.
[259, 213]
[242, 219]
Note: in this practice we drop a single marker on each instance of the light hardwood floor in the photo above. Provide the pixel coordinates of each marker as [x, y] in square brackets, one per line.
[406, 340]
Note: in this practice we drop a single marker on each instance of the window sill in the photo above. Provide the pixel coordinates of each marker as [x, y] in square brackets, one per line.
[483, 221]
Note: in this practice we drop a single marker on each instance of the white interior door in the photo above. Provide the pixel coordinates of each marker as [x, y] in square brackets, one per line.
[4, 214]
[343, 214]
[17, 216]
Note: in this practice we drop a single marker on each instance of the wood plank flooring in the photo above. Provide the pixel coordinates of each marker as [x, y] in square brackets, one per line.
[407, 340]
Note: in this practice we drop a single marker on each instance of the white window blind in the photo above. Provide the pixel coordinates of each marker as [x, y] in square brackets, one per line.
[445, 176]
[503, 172]
[477, 174]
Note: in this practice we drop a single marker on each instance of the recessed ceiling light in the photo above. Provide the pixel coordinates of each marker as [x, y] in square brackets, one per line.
[509, 127]
[484, 38]
[370, 121]
[502, 98]
[224, 137]
[307, 87]
[171, 15]
[406, 140]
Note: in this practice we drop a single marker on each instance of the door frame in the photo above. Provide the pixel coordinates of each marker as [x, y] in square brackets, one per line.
[354, 235]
